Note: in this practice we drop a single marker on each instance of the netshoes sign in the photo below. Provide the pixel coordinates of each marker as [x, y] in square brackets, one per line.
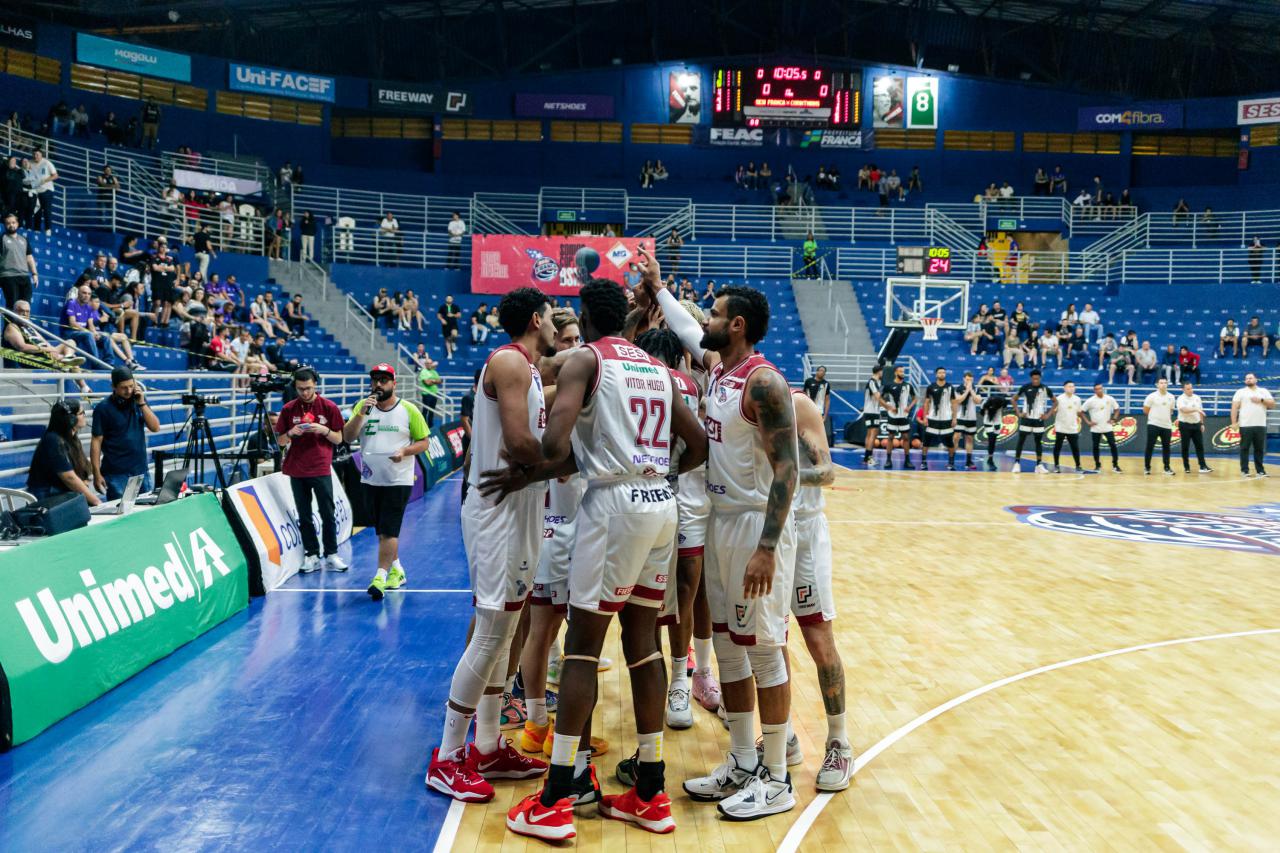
[83, 611]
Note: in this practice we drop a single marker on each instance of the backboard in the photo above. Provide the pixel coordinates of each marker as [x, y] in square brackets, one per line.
[908, 299]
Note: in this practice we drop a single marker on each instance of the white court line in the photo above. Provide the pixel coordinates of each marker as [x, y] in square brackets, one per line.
[918, 522]
[449, 830]
[365, 591]
[800, 828]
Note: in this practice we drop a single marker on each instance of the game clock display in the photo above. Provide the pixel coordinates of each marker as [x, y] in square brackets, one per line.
[921, 260]
[786, 95]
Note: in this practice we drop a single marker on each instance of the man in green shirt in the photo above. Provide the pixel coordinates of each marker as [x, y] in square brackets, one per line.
[810, 254]
[429, 388]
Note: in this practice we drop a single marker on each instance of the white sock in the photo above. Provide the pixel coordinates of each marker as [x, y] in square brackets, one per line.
[790, 731]
[775, 749]
[564, 749]
[396, 564]
[510, 685]
[553, 655]
[456, 725]
[537, 709]
[702, 653]
[580, 759]
[679, 671]
[382, 574]
[650, 747]
[489, 722]
[742, 741]
[835, 728]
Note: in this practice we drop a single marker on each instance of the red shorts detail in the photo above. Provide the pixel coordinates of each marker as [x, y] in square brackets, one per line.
[810, 619]
[539, 601]
[742, 639]
[648, 594]
[611, 606]
[666, 620]
[695, 551]
[720, 627]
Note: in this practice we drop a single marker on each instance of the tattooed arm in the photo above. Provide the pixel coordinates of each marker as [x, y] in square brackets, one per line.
[815, 455]
[769, 405]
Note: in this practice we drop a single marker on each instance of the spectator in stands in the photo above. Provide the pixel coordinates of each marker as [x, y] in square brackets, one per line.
[493, 321]
[1064, 334]
[675, 243]
[259, 316]
[1097, 192]
[1028, 342]
[822, 177]
[150, 124]
[111, 129]
[1188, 363]
[1181, 211]
[381, 309]
[58, 465]
[23, 336]
[1006, 192]
[1041, 181]
[429, 387]
[296, 318]
[389, 241]
[874, 177]
[216, 354]
[1004, 380]
[991, 335]
[235, 294]
[173, 200]
[882, 187]
[1169, 365]
[740, 177]
[132, 133]
[78, 321]
[1106, 347]
[991, 193]
[988, 378]
[1229, 339]
[309, 427]
[1057, 181]
[1209, 221]
[118, 449]
[204, 247]
[1254, 335]
[419, 356]
[1147, 361]
[479, 329]
[1078, 350]
[750, 176]
[227, 216]
[1070, 316]
[411, 311]
[809, 256]
[895, 186]
[107, 185]
[164, 279]
[1013, 347]
[457, 230]
[18, 273]
[298, 177]
[1082, 199]
[1122, 359]
[914, 182]
[275, 354]
[646, 175]
[307, 228]
[273, 314]
[1092, 323]
[1050, 347]
[276, 233]
[117, 341]
[973, 333]
[1256, 252]
[60, 119]
[766, 176]
[1126, 199]
[285, 176]
[864, 177]
[1019, 320]
[709, 295]
[15, 192]
[660, 172]
[448, 315]
[40, 180]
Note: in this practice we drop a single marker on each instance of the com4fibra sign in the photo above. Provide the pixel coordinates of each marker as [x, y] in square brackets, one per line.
[277, 81]
[83, 611]
[1138, 117]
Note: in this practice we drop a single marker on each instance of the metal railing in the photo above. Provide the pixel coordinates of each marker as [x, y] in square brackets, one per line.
[1234, 229]
[655, 215]
[413, 212]
[410, 249]
[122, 211]
[945, 231]
[582, 198]
[855, 370]
[736, 261]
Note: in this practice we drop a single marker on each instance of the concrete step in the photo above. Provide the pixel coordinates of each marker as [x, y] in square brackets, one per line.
[818, 302]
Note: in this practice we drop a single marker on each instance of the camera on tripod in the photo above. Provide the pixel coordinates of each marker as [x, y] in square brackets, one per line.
[200, 400]
[263, 385]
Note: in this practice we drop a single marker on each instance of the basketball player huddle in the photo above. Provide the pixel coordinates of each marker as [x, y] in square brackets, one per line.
[685, 490]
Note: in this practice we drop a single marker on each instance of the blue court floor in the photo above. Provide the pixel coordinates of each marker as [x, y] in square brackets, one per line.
[303, 723]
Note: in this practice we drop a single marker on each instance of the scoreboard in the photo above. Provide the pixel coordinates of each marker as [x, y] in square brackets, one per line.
[921, 260]
[786, 95]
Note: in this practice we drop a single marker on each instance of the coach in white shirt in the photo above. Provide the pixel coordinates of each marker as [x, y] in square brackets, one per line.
[1068, 409]
[1158, 408]
[1249, 415]
[1191, 427]
[1100, 412]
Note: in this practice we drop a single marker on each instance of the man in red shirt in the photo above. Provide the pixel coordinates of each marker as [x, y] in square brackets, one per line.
[1189, 362]
[308, 427]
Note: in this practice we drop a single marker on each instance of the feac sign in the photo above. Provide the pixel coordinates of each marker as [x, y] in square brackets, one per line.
[745, 136]
[95, 612]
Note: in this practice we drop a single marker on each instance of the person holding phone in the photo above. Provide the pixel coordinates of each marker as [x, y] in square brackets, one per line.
[391, 432]
[118, 449]
[308, 428]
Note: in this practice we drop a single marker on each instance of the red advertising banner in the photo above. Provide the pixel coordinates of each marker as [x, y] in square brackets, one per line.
[503, 262]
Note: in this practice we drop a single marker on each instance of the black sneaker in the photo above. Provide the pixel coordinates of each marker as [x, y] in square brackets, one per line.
[991, 466]
[1205, 469]
[1116, 468]
[626, 770]
[907, 466]
[951, 466]
[1186, 470]
[970, 466]
[1057, 469]
[1168, 472]
[1147, 472]
[586, 788]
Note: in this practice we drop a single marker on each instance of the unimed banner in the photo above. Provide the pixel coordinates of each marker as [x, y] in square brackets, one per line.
[82, 611]
[266, 510]
[503, 262]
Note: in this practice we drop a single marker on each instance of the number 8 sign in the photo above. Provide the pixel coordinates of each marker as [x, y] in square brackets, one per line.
[922, 103]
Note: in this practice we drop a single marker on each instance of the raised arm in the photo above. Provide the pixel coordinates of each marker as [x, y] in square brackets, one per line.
[815, 455]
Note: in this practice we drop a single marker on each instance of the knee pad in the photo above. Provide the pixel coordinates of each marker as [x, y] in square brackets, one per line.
[731, 657]
[768, 665]
[485, 656]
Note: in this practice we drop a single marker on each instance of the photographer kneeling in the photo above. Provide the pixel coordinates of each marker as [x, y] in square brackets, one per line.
[308, 427]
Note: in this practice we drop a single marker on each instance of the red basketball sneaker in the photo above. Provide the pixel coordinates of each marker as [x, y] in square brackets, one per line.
[654, 815]
[504, 763]
[530, 817]
[455, 777]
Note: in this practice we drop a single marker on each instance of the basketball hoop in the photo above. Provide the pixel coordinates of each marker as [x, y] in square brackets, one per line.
[930, 326]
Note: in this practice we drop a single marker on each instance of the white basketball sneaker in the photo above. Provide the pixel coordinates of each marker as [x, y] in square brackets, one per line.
[725, 781]
[334, 563]
[837, 767]
[679, 714]
[760, 797]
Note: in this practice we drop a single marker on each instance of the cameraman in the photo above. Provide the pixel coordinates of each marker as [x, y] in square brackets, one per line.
[309, 426]
[118, 449]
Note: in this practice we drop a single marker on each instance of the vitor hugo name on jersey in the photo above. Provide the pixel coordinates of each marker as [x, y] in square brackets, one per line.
[625, 427]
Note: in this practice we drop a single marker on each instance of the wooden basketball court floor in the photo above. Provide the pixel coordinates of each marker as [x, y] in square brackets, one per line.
[1072, 683]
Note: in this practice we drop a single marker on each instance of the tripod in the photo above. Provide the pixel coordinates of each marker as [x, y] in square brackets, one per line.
[259, 426]
[199, 438]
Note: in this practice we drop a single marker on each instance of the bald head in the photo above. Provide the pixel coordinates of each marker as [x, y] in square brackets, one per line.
[21, 305]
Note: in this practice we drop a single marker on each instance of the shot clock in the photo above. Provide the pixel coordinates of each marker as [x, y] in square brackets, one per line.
[924, 260]
[786, 95]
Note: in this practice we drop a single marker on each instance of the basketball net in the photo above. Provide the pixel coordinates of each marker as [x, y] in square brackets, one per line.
[930, 326]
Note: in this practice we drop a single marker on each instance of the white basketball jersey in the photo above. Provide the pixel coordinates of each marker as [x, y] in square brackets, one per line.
[691, 395]
[563, 500]
[739, 475]
[624, 430]
[486, 424]
[809, 500]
